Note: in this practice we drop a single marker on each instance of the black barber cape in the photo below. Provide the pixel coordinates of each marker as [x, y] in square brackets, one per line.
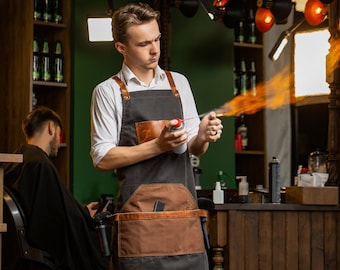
[57, 223]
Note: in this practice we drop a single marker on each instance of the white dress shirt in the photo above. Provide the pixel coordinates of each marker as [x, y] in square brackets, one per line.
[106, 107]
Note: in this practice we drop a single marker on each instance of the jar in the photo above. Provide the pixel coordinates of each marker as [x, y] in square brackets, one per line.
[317, 162]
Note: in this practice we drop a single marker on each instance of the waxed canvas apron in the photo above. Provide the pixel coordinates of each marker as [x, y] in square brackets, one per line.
[171, 239]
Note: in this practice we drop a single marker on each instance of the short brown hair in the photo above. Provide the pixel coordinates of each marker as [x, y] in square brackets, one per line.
[128, 15]
[35, 120]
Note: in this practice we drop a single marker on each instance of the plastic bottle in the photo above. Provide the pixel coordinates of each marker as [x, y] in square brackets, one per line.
[243, 190]
[179, 126]
[218, 194]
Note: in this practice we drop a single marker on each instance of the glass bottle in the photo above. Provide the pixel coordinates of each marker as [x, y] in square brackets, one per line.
[243, 77]
[37, 10]
[46, 69]
[252, 78]
[251, 35]
[47, 10]
[243, 130]
[239, 32]
[57, 11]
[58, 63]
[36, 61]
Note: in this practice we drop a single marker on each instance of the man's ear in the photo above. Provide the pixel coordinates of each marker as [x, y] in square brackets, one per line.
[51, 128]
[120, 47]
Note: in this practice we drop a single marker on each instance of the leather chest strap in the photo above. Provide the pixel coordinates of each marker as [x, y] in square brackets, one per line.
[172, 83]
[123, 90]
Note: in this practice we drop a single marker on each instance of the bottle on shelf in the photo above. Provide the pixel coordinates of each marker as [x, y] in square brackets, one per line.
[243, 131]
[36, 60]
[243, 77]
[239, 32]
[274, 181]
[47, 10]
[243, 190]
[236, 79]
[218, 194]
[58, 63]
[37, 10]
[251, 28]
[45, 67]
[57, 11]
[252, 78]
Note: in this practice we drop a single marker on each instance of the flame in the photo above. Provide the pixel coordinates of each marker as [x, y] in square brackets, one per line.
[272, 94]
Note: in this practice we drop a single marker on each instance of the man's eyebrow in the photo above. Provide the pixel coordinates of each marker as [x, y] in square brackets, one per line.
[149, 41]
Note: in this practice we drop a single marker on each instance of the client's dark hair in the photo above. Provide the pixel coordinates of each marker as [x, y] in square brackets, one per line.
[35, 120]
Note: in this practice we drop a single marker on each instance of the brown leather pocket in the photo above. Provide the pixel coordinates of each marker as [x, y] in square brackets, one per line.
[175, 231]
[161, 235]
[149, 130]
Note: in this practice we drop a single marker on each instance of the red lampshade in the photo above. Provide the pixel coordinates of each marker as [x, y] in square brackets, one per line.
[264, 19]
[220, 3]
[315, 12]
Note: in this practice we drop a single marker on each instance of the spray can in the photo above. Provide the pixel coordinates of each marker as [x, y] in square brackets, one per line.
[274, 181]
[179, 126]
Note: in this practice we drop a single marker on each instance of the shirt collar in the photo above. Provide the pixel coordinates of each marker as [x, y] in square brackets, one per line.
[128, 76]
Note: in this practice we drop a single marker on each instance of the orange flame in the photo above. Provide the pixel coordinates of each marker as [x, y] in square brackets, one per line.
[272, 94]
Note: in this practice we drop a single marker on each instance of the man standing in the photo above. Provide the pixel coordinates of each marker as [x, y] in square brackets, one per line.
[133, 115]
[56, 222]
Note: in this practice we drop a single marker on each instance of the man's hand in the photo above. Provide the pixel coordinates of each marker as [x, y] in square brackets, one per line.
[168, 139]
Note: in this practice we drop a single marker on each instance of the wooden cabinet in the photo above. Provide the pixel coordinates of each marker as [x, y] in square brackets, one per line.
[17, 32]
[252, 160]
[275, 236]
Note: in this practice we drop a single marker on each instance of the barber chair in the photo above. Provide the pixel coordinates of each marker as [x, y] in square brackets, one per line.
[17, 253]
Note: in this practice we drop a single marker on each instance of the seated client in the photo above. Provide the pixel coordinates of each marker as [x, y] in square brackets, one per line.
[56, 222]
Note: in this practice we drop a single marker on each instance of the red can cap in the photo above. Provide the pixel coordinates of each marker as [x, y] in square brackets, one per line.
[179, 122]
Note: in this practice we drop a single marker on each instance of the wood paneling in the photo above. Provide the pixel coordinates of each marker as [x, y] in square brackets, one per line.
[282, 237]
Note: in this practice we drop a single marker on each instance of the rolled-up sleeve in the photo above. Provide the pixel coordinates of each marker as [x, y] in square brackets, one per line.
[105, 120]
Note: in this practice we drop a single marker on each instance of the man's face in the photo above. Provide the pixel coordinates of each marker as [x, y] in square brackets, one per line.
[55, 142]
[142, 50]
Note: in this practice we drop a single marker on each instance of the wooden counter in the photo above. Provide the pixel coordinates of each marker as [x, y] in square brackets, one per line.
[275, 236]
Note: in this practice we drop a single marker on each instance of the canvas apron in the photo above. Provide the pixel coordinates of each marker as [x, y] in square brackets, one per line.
[170, 239]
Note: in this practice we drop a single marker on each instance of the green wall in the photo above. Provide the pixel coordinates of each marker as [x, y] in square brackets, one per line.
[200, 49]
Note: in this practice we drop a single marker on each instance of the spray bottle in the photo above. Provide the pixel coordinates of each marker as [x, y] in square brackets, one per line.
[218, 194]
[179, 126]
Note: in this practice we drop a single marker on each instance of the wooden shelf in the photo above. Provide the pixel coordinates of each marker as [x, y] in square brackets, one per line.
[50, 24]
[248, 45]
[49, 84]
[18, 30]
[251, 162]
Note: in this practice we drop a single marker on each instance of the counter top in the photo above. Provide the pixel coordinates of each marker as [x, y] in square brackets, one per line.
[275, 207]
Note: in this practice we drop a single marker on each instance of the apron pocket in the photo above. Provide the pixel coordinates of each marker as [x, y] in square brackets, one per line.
[167, 233]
